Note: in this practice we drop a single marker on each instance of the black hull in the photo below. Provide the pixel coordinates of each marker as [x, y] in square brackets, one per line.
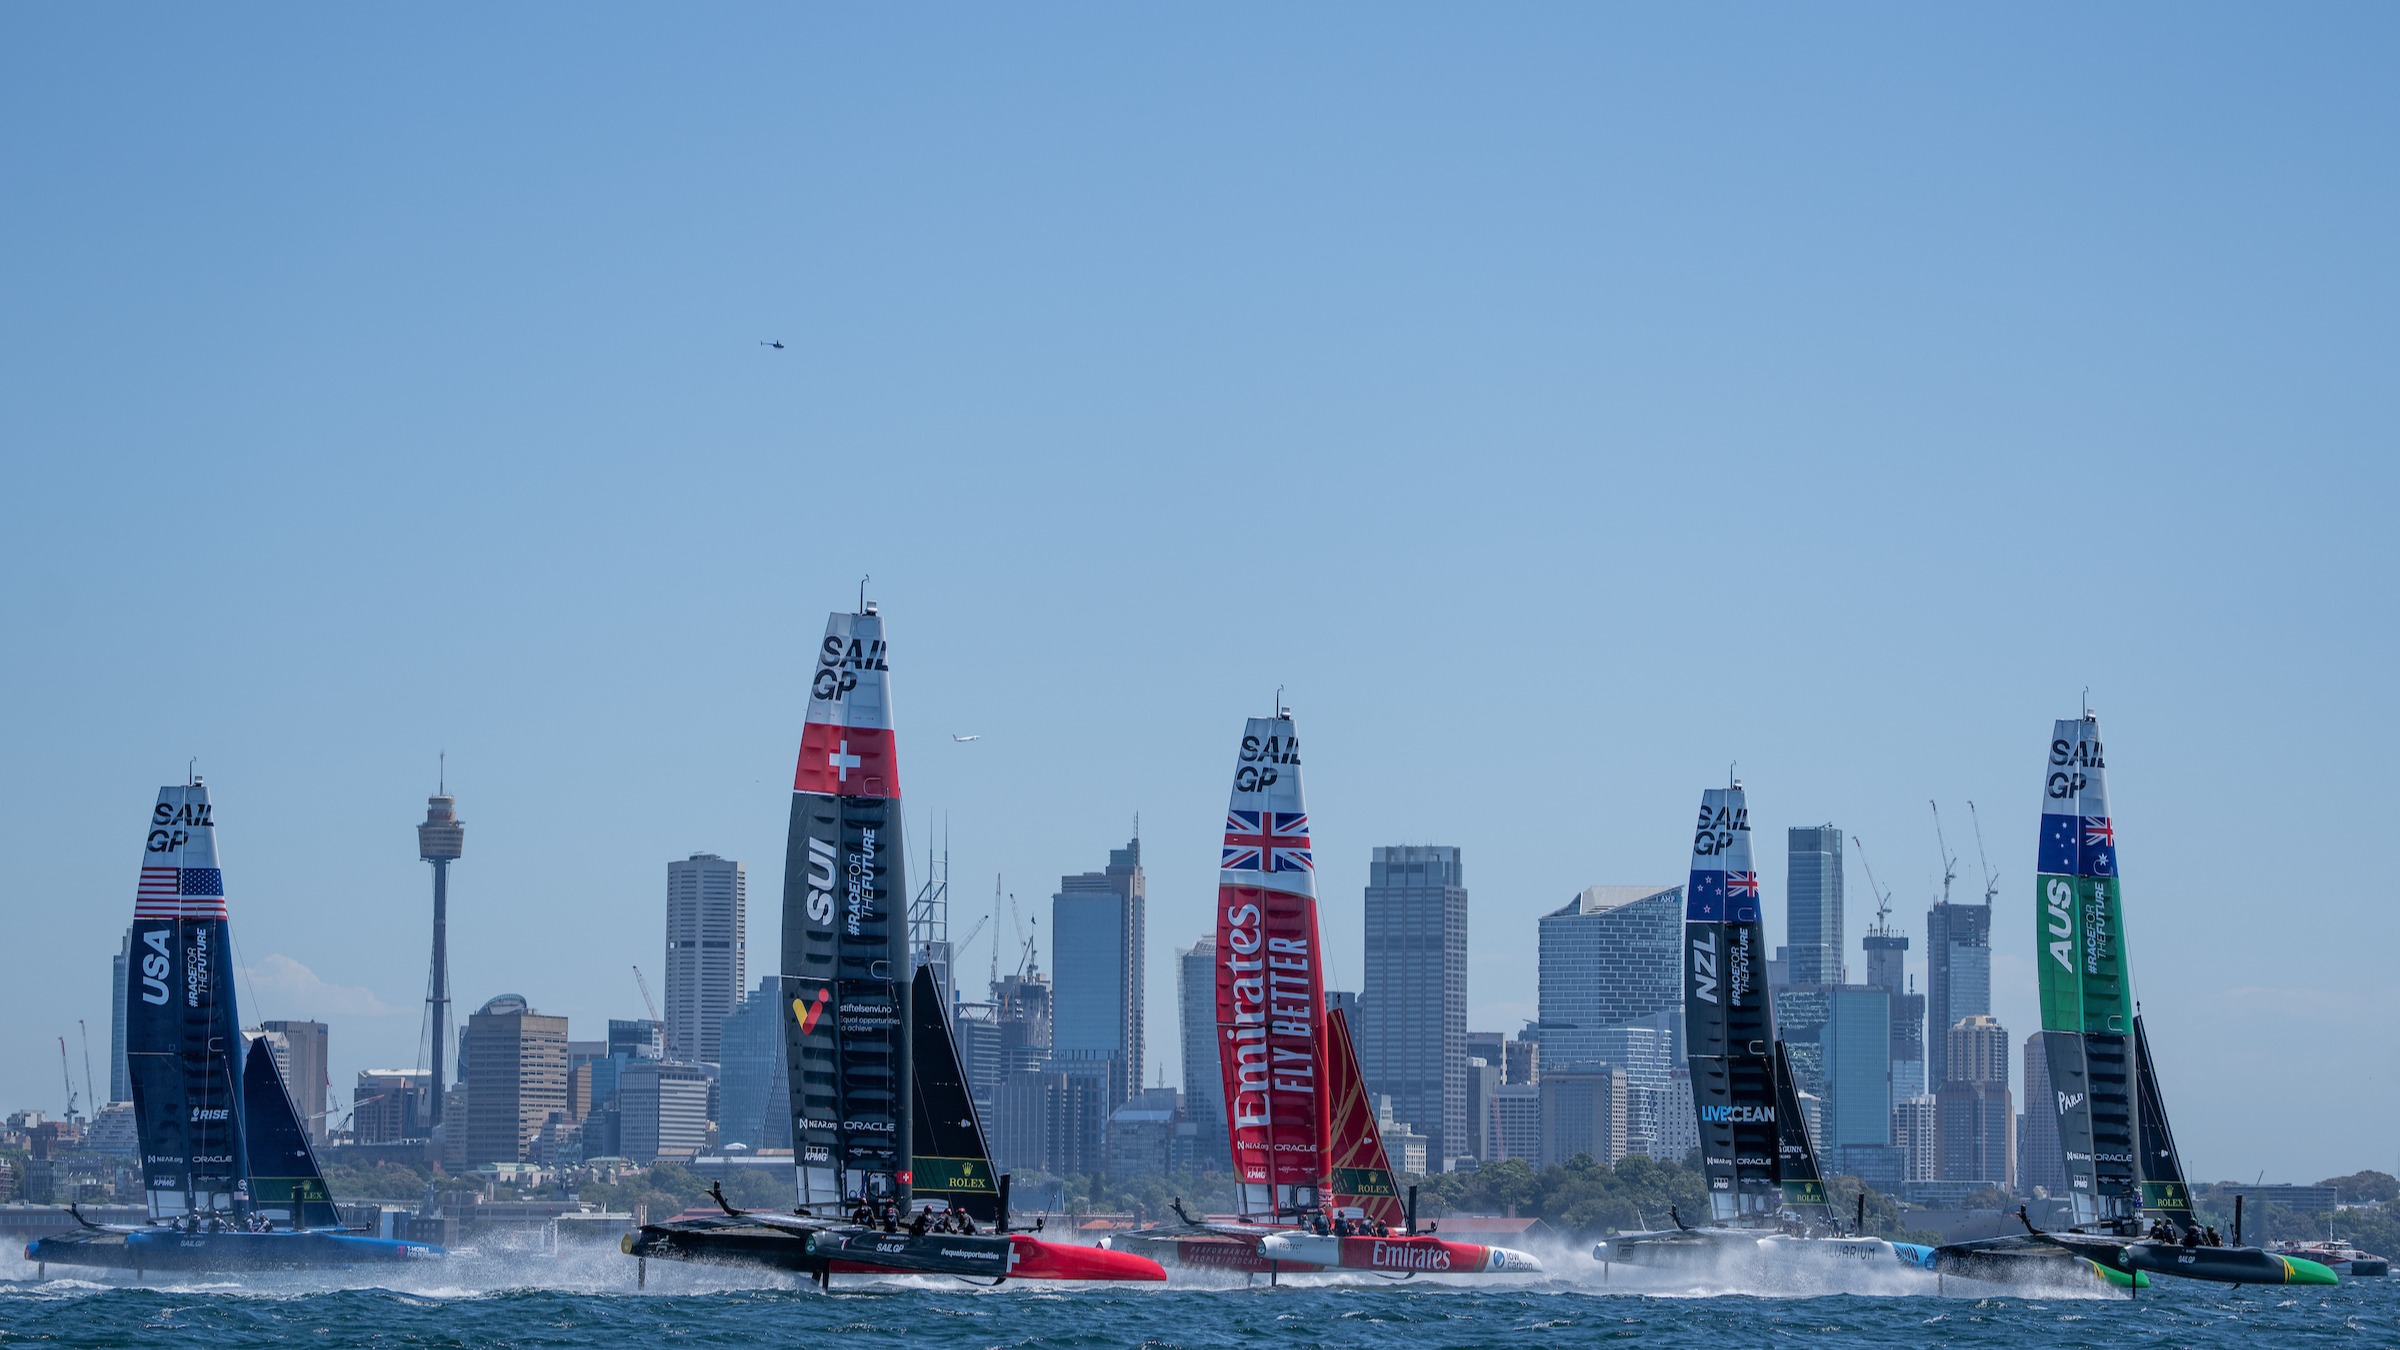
[232, 1252]
[821, 1251]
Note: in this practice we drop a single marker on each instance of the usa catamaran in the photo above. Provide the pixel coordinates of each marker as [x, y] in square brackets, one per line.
[1315, 1188]
[232, 1181]
[881, 1121]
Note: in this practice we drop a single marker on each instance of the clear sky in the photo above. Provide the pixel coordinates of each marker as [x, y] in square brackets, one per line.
[1559, 401]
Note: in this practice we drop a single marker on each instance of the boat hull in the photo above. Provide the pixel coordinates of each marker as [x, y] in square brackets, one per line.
[1418, 1255]
[819, 1252]
[1712, 1246]
[145, 1250]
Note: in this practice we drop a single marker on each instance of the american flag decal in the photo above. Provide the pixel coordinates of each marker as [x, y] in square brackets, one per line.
[1267, 841]
[155, 897]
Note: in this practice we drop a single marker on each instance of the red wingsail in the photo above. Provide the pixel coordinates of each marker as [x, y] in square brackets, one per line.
[1360, 1173]
[1271, 981]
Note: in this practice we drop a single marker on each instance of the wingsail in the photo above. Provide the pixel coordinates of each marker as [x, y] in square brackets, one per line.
[2164, 1194]
[952, 1160]
[1728, 1026]
[182, 1030]
[286, 1185]
[1803, 1186]
[2080, 935]
[1271, 981]
[845, 930]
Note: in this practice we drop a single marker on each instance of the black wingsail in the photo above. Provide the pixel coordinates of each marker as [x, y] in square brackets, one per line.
[845, 931]
[182, 1030]
[953, 1161]
[2164, 1194]
[1795, 1151]
[286, 1185]
[1728, 1023]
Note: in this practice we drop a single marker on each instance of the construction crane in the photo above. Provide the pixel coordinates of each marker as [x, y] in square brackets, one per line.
[647, 1001]
[1949, 863]
[1883, 898]
[66, 1075]
[90, 1098]
[976, 932]
[1991, 879]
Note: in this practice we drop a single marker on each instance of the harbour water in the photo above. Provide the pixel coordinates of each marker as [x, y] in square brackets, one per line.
[592, 1302]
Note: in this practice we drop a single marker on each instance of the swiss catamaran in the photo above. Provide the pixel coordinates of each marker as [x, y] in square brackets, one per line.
[2129, 1211]
[875, 1079]
[1765, 1196]
[232, 1181]
[1314, 1185]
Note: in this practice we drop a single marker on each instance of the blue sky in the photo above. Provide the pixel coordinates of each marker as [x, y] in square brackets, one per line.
[1560, 402]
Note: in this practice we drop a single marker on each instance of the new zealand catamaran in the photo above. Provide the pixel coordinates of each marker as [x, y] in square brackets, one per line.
[232, 1180]
[2129, 1211]
[881, 1119]
[1765, 1197]
[1315, 1187]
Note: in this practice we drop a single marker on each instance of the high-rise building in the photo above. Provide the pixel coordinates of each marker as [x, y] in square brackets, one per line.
[120, 1072]
[441, 839]
[707, 902]
[301, 1053]
[1608, 959]
[662, 1110]
[1975, 1125]
[1857, 1038]
[1913, 1120]
[1958, 978]
[1521, 1061]
[1203, 1076]
[1887, 957]
[1584, 1110]
[1483, 1079]
[753, 1087]
[1096, 944]
[1412, 1034]
[2041, 1159]
[388, 1106]
[1516, 1129]
[1813, 895]
[1053, 1122]
[516, 1074]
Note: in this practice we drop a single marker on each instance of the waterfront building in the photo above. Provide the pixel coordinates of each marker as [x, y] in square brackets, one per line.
[1974, 1124]
[1141, 1138]
[662, 1111]
[753, 1084]
[1483, 1079]
[707, 964]
[2041, 1159]
[1517, 1123]
[1913, 1121]
[1203, 1077]
[514, 1065]
[1584, 1109]
[1813, 904]
[1051, 1121]
[1857, 1041]
[388, 1106]
[1096, 946]
[301, 1054]
[1608, 959]
[120, 1071]
[1958, 977]
[1412, 1040]
[1678, 1127]
[1887, 956]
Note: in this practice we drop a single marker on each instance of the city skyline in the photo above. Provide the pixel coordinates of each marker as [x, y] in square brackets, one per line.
[1795, 393]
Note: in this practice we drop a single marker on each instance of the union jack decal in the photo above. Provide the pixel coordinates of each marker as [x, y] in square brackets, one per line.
[1743, 884]
[1267, 841]
[2098, 830]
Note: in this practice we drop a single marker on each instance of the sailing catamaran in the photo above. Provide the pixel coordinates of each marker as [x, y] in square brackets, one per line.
[875, 1079]
[1314, 1185]
[1764, 1191]
[2129, 1210]
[232, 1181]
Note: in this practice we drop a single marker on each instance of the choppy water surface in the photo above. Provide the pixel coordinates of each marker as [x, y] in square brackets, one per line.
[589, 1300]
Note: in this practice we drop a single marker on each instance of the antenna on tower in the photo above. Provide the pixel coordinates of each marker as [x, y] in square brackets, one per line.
[1991, 879]
[1731, 778]
[441, 772]
[863, 579]
[1949, 863]
[1279, 708]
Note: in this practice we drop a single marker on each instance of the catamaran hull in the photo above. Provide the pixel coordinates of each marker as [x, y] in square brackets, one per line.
[162, 1249]
[2220, 1265]
[835, 1251]
[1418, 1255]
[1234, 1253]
[1712, 1247]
